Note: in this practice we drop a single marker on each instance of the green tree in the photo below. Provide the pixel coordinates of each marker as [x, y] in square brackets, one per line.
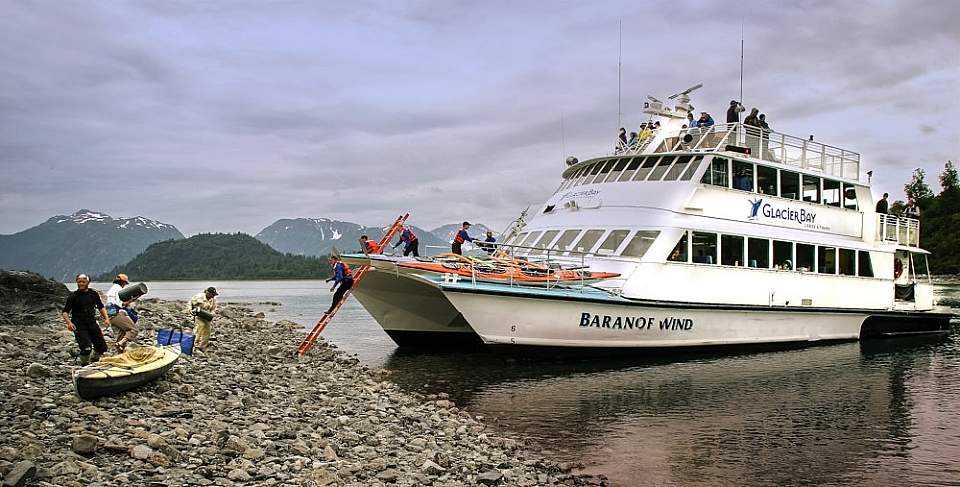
[948, 179]
[917, 189]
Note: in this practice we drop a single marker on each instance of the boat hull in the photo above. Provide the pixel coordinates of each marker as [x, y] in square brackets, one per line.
[517, 318]
[95, 380]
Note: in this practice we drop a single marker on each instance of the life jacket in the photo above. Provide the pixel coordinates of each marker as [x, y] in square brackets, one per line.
[459, 238]
[410, 235]
[372, 247]
[346, 269]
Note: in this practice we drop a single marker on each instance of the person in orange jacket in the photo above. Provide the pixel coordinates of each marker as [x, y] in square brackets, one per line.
[369, 246]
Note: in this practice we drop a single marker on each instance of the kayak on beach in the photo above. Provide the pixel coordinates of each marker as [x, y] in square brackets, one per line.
[123, 372]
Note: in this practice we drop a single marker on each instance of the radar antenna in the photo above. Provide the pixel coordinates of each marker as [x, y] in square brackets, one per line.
[653, 99]
[683, 98]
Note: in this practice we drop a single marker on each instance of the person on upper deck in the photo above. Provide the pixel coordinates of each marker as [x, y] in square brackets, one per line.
[412, 245]
[487, 244]
[621, 140]
[705, 120]
[691, 122]
[763, 122]
[753, 119]
[632, 142]
[733, 113]
[369, 246]
[883, 205]
[912, 210]
[646, 131]
[462, 236]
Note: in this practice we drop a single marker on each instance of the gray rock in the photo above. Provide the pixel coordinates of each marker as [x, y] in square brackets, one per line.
[20, 474]
[489, 477]
[84, 444]
[322, 477]
[239, 475]
[36, 370]
[141, 452]
[431, 468]
[253, 454]
[388, 475]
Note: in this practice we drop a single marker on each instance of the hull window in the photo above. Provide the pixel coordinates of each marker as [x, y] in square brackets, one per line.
[617, 169]
[640, 243]
[758, 253]
[848, 262]
[645, 168]
[704, 248]
[634, 164]
[612, 242]
[680, 251]
[544, 242]
[790, 185]
[831, 193]
[604, 170]
[811, 189]
[661, 168]
[827, 260]
[731, 250]
[783, 255]
[767, 181]
[587, 241]
[864, 265]
[742, 176]
[718, 172]
[566, 238]
[677, 169]
[528, 242]
[805, 257]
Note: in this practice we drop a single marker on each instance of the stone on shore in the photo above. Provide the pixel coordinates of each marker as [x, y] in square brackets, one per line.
[20, 474]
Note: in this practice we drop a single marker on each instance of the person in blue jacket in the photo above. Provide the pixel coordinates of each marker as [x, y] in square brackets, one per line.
[412, 243]
[487, 244]
[342, 281]
[462, 236]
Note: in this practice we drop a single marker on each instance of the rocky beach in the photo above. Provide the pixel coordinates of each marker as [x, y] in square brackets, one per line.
[247, 412]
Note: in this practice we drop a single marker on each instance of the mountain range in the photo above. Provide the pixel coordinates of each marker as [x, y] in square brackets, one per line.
[93, 242]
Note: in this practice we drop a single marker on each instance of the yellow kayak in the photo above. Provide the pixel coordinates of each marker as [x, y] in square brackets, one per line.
[119, 373]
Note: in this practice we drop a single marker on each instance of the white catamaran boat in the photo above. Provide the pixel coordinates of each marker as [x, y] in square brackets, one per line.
[722, 235]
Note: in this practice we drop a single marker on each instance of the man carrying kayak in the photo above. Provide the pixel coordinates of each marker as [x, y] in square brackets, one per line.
[207, 303]
[79, 313]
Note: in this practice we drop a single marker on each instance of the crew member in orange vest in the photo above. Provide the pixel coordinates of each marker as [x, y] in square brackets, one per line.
[462, 236]
[369, 246]
[342, 281]
[412, 244]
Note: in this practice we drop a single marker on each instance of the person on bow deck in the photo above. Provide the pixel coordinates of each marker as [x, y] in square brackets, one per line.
[123, 317]
[487, 244]
[691, 123]
[369, 246]
[462, 236]
[705, 120]
[632, 143]
[342, 281]
[733, 113]
[621, 140]
[410, 241]
[204, 301]
[79, 313]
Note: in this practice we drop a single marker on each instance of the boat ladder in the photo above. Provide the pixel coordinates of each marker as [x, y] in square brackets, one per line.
[311, 337]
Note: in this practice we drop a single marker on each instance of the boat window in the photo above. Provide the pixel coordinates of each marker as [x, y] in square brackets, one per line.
[805, 257]
[518, 239]
[920, 268]
[640, 243]
[864, 265]
[783, 255]
[811, 189]
[566, 238]
[583, 174]
[634, 164]
[612, 242]
[597, 167]
[758, 253]
[645, 168]
[717, 173]
[790, 185]
[827, 259]
[831, 192]
[587, 241]
[848, 262]
[528, 242]
[704, 248]
[692, 168]
[615, 172]
[731, 250]
[677, 168]
[661, 169]
[603, 171]
[679, 252]
[849, 196]
[544, 241]
[742, 175]
[767, 181]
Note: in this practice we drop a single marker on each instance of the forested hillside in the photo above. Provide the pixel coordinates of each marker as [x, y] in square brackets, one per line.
[939, 218]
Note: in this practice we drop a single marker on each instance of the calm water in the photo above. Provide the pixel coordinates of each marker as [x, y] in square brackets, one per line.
[880, 414]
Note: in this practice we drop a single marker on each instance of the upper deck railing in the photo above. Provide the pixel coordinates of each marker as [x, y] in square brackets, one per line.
[903, 231]
[764, 145]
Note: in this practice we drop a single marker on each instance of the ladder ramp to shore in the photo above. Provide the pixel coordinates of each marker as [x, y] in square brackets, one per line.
[311, 337]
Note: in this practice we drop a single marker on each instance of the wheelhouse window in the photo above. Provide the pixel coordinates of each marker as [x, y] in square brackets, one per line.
[783, 255]
[645, 168]
[692, 168]
[831, 193]
[920, 268]
[640, 243]
[848, 262]
[718, 173]
[587, 241]
[677, 169]
[811, 189]
[758, 253]
[731, 250]
[704, 248]
[528, 242]
[661, 168]
[612, 242]
[679, 252]
[604, 170]
[806, 260]
[617, 169]
[767, 181]
[790, 185]
[864, 265]
[566, 238]
[849, 196]
[827, 258]
[742, 175]
[631, 167]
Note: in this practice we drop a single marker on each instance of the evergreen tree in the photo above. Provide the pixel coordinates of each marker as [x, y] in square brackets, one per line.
[948, 179]
[917, 189]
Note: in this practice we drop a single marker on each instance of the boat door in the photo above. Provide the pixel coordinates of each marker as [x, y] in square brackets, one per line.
[904, 279]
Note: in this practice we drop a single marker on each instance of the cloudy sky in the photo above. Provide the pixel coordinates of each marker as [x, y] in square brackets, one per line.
[225, 116]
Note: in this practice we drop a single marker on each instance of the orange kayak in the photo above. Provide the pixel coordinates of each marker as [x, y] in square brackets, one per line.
[516, 271]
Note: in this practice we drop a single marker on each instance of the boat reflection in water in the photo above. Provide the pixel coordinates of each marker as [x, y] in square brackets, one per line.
[848, 413]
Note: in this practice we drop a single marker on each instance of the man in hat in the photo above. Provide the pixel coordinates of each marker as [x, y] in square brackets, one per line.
[462, 236]
[79, 313]
[733, 113]
[204, 301]
[123, 318]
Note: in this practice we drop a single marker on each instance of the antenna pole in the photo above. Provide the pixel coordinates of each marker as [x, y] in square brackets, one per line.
[563, 143]
[741, 61]
[619, 69]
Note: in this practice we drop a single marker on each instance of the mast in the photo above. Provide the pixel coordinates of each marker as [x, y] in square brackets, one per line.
[619, 69]
[741, 62]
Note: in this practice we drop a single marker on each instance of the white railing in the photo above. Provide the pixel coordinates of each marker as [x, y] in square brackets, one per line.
[893, 228]
[767, 145]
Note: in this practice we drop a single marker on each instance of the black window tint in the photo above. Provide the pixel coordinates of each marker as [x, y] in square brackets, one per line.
[758, 253]
[805, 257]
[827, 260]
[848, 262]
[692, 168]
[811, 189]
[717, 174]
[704, 248]
[645, 168]
[615, 172]
[831, 192]
[790, 185]
[731, 250]
[742, 175]
[783, 255]
[640, 243]
[864, 265]
[634, 164]
[849, 197]
[677, 168]
[597, 167]
[679, 252]
[767, 181]
[661, 168]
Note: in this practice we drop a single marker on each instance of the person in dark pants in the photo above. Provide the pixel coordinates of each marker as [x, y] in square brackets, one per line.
[487, 244]
[79, 313]
[342, 281]
[412, 244]
[462, 236]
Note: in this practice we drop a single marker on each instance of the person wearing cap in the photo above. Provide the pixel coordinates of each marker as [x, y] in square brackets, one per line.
[79, 313]
[123, 317]
[488, 243]
[462, 236]
[733, 113]
[206, 301]
[705, 120]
